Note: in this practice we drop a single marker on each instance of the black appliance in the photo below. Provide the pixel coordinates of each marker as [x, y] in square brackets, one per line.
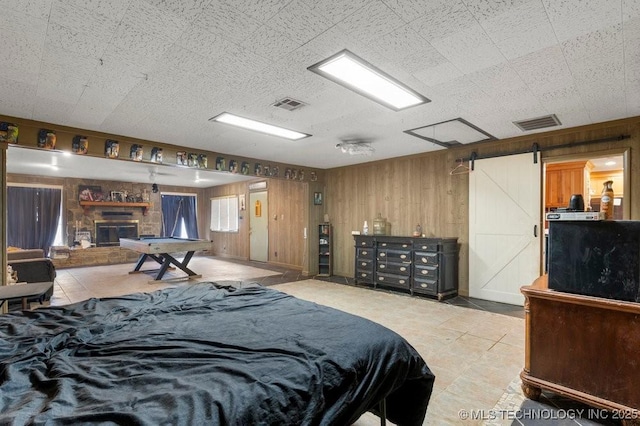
[595, 258]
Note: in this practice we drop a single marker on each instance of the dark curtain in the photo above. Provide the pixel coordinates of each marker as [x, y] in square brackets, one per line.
[32, 216]
[176, 208]
[189, 216]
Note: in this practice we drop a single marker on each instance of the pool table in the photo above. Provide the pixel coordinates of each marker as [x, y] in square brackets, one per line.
[160, 249]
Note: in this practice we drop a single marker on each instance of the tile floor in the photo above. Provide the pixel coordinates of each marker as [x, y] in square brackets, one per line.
[475, 348]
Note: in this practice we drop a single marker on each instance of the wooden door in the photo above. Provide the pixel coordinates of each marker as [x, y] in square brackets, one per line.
[258, 226]
[504, 227]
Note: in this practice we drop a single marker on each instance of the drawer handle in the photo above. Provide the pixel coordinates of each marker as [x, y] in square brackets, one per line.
[423, 285]
[364, 252]
[402, 268]
[403, 256]
[383, 254]
[364, 264]
[423, 272]
[383, 244]
[382, 266]
[405, 245]
[424, 247]
[380, 278]
[363, 275]
[402, 281]
[364, 243]
[425, 260]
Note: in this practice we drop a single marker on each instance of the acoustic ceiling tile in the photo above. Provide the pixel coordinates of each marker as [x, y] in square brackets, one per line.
[35, 8]
[372, 21]
[410, 10]
[136, 42]
[571, 19]
[469, 50]
[261, 10]
[112, 9]
[442, 72]
[20, 21]
[486, 10]
[92, 45]
[426, 58]
[203, 42]
[58, 63]
[187, 9]
[336, 10]
[153, 21]
[81, 20]
[226, 21]
[269, 43]
[299, 22]
[21, 55]
[498, 80]
[179, 58]
[544, 70]
[444, 21]
[52, 111]
[520, 30]
[16, 98]
[589, 45]
[630, 9]
[400, 43]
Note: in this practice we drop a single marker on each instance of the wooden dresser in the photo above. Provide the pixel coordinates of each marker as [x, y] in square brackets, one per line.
[427, 266]
[586, 348]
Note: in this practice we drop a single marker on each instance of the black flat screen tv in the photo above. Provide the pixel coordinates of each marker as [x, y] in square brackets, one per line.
[595, 258]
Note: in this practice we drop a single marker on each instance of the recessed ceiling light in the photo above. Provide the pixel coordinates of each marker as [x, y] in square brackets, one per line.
[356, 74]
[610, 163]
[258, 126]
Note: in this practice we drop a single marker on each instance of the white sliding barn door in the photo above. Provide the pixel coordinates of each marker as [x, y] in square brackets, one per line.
[504, 227]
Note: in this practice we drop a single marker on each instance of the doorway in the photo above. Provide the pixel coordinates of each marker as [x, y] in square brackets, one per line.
[258, 226]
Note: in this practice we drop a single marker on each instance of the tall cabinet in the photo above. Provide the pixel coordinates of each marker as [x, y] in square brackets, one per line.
[324, 250]
[426, 266]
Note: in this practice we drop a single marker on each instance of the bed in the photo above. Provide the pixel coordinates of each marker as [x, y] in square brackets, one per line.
[205, 353]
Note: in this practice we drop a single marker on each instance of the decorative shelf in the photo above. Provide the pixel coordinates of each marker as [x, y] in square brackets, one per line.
[87, 204]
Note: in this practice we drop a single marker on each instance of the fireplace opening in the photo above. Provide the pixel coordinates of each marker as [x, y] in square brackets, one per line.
[109, 232]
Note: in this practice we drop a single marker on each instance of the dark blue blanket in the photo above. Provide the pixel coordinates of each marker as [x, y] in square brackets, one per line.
[201, 354]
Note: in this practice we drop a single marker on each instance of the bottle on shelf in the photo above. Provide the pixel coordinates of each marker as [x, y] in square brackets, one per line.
[365, 228]
[606, 200]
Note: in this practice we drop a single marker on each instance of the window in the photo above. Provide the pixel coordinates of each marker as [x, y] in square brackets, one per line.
[179, 217]
[33, 215]
[224, 214]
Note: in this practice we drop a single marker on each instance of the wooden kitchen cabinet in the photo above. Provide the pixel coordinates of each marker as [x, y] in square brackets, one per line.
[565, 179]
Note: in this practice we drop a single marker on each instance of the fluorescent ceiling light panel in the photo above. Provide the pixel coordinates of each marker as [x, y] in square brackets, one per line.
[450, 133]
[258, 126]
[356, 74]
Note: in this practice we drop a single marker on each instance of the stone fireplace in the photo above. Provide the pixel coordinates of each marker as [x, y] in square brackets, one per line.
[109, 232]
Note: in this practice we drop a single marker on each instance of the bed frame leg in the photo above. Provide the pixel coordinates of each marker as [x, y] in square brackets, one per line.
[383, 412]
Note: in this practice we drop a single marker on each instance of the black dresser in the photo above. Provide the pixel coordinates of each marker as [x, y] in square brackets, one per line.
[426, 266]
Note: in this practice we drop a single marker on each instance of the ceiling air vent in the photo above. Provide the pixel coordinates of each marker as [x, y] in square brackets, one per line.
[538, 123]
[289, 104]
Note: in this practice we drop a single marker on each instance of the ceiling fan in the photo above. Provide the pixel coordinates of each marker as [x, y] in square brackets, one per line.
[356, 146]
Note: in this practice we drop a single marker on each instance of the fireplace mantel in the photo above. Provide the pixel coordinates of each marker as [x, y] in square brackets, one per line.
[88, 204]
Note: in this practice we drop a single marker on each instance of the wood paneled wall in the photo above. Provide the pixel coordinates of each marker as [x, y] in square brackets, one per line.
[290, 210]
[419, 189]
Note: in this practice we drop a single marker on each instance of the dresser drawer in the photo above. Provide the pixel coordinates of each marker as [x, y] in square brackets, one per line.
[365, 264]
[425, 286]
[364, 242]
[396, 245]
[365, 253]
[430, 272]
[393, 280]
[388, 255]
[424, 258]
[364, 276]
[394, 268]
[424, 246]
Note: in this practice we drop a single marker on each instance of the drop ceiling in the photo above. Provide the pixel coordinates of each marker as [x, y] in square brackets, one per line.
[159, 69]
